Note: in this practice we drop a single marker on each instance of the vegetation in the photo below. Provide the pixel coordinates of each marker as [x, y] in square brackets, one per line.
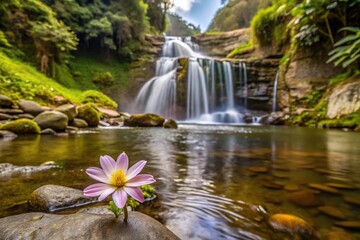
[21, 126]
[236, 14]
[240, 49]
[89, 113]
[179, 27]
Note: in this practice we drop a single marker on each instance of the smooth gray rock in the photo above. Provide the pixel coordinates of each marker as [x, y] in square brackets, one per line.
[69, 110]
[26, 115]
[7, 135]
[50, 198]
[82, 226]
[11, 111]
[79, 123]
[4, 116]
[55, 120]
[5, 101]
[30, 107]
[48, 131]
[8, 169]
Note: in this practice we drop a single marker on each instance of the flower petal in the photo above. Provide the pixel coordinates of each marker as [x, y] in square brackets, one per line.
[120, 198]
[140, 180]
[136, 193]
[135, 169]
[122, 162]
[97, 174]
[96, 189]
[108, 165]
[107, 192]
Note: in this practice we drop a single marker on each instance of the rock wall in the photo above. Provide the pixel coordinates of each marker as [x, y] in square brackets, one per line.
[221, 44]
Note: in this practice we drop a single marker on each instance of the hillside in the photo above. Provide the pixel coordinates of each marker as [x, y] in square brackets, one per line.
[179, 27]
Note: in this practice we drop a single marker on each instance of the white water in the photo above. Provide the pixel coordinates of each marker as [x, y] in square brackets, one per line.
[275, 91]
[209, 89]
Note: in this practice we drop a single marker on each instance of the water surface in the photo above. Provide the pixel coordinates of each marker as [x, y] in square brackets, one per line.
[204, 186]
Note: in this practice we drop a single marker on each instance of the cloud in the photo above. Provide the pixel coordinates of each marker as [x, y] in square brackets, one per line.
[183, 5]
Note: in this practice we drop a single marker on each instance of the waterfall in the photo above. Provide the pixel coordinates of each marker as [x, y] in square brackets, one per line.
[206, 95]
[275, 91]
[243, 83]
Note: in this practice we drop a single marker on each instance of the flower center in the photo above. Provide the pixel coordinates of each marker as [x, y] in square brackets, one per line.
[118, 178]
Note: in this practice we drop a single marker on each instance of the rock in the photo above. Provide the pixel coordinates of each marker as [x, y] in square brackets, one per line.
[258, 169]
[344, 99]
[30, 107]
[275, 118]
[280, 175]
[59, 100]
[108, 112]
[352, 200]
[305, 199]
[69, 110]
[349, 224]
[71, 130]
[4, 116]
[170, 123]
[144, 120]
[26, 115]
[89, 114]
[272, 199]
[21, 126]
[271, 184]
[96, 210]
[79, 123]
[339, 235]
[8, 169]
[49, 198]
[104, 124]
[11, 111]
[324, 188]
[116, 121]
[52, 119]
[292, 224]
[48, 131]
[332, 212]
[341, 186]
[5, 102]
[7, 135]
[292, 187]
[39, 226]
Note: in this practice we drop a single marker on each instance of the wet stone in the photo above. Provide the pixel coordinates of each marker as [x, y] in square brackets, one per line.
[281, 168]
[280, 175]
[324, 188]
[305, 199]
[258, 169]
[273, 200]
[341, 186]
[349, 224]
[332, 212]
[323, 171]
[271, 184]
[339, 235]
[352, 200]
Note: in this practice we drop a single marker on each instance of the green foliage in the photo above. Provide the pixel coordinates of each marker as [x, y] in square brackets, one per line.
[349, 121]
[314, 97]
[112, 207]
[342, 77]
[263, 25]
[240, 49]
[100, 99]
[180, 27]
[103, 79]
[236, 14]
[21, 126]
[148, 191]
[3, 41]
[347, 50]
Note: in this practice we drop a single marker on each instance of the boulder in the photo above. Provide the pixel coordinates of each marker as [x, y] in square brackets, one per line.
[30, 107]
[170, 123]
[48, 131]
[52, 119]
[89, 114]
[21, 126]
[40, 226]
[79, 123]
[4, 116]
[26, 115]
[5, 102]
[144, 120]
[59, 100]
[49, 198]
[108, 112]
[7, 135]
[292, 224]
[344, 99]
[69, 110]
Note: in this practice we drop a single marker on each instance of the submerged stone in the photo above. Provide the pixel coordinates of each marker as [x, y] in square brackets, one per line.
[305, 199]
[341, 186]
[352, 200]
[258, 169]
[51, 198]
[292, 224]
[324, 188]
[332, 212]
[339, 235]
[349, 224]
[292, 187]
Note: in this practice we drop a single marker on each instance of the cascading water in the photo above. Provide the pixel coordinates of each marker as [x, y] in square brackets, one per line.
[209, 89]
[275, 91]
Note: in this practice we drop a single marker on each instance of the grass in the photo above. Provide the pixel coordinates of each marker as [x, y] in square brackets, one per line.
[240, 49]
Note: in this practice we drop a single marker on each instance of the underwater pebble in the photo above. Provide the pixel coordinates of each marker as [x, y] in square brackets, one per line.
[323, 188]
[332, 212]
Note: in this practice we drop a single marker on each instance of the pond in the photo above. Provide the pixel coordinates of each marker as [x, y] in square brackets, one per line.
[209, 178]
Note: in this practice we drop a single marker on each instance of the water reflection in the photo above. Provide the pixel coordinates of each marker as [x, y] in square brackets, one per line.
[205, 188]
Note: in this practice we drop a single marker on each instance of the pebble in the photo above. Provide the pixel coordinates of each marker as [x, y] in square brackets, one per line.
[349, 224]
[332, 212]
[324, 188]
[305, 199]
[258, 169]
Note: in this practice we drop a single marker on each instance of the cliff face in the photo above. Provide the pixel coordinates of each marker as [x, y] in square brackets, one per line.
[221, 44]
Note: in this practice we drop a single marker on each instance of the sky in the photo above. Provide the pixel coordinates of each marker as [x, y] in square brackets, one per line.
[197, 12]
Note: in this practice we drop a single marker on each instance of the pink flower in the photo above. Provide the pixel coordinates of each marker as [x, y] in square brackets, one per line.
[118, 180]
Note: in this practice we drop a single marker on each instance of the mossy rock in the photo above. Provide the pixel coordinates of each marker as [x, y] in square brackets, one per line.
[145, 120]
[22, 126]
[170, 123]
[89, 114]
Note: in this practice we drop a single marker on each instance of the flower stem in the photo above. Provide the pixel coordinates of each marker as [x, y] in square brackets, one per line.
[126, 214]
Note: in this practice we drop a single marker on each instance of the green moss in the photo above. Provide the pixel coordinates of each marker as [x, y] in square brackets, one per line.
[263, 25]
[240, 49]
[100, 99]
[21, 126]
[314, 97]
[342, 77]
[148, 191]
[103, 79]
[349, 121]
[89, 114]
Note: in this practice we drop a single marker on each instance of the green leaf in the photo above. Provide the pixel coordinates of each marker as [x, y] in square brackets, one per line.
[337, 55]
[337, 50]
[340, 60]
[351, 29]
[350, 61]
[346, 39]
